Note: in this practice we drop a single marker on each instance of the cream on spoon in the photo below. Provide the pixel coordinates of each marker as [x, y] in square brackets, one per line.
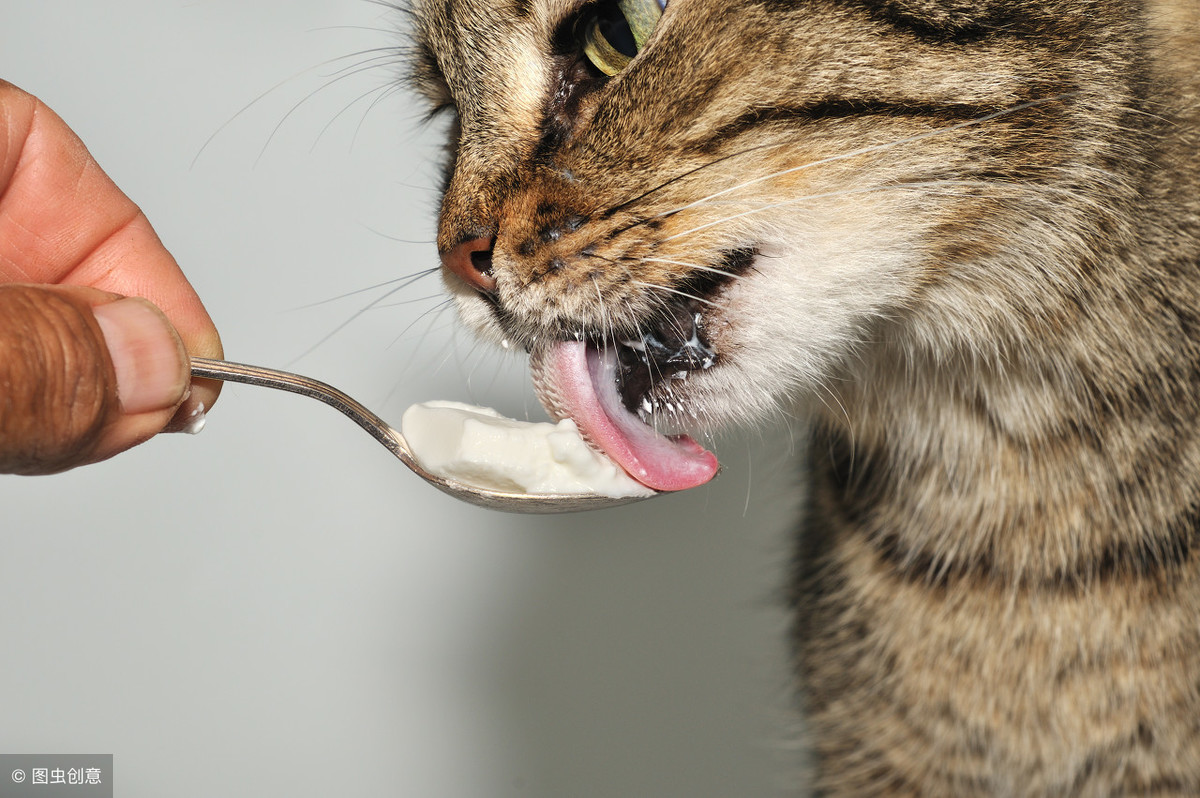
[485, 495]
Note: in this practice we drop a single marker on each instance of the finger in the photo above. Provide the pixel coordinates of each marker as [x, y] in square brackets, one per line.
[62, 220]
[83, 375]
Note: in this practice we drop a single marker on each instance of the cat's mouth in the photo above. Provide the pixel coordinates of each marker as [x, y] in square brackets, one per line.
[650, 363]
[579, 380]
[618, 391]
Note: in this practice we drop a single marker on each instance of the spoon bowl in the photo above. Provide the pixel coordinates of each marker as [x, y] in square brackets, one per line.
[395, 443]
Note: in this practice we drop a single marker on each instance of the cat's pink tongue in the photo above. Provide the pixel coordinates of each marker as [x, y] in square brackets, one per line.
[579, 381]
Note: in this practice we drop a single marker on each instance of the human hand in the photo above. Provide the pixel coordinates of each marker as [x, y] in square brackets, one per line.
[96, 318]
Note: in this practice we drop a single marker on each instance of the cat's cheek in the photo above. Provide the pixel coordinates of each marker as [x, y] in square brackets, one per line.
[791, 324]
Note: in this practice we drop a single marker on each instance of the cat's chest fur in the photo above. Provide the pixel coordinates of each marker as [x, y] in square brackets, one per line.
[964, 235]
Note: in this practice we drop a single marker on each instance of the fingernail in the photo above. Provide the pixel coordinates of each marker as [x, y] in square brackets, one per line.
[193, 422]
[147, 355]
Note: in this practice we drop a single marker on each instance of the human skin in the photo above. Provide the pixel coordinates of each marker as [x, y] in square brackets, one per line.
[98, 320]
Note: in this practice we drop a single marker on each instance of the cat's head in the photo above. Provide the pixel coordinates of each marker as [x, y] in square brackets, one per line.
[719, 204]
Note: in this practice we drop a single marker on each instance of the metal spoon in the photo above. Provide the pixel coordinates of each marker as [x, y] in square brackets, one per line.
[391, 438]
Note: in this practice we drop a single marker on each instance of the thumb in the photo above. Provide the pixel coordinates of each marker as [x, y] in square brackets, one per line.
[84, 374]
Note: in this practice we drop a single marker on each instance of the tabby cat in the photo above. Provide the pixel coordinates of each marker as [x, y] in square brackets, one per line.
[963, 236]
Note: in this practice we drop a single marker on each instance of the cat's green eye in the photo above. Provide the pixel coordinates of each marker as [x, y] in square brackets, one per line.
[617, 31]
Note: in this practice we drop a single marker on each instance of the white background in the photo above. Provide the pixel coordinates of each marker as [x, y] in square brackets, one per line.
[276, 607]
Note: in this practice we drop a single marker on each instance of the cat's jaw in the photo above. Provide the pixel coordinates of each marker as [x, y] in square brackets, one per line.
[801, 303]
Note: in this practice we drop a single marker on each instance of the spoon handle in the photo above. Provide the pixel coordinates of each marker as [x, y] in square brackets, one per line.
[379, 429]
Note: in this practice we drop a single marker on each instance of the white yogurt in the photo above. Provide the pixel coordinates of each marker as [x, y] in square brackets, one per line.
[479, 447]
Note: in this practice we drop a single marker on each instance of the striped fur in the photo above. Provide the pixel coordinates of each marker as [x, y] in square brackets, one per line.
[964, 236]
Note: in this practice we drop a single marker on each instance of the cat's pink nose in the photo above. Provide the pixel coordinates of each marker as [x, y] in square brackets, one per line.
[472, 261]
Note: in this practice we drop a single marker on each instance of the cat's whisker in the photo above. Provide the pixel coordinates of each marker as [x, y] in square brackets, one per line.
[822, 387]
[598, 256]
[390, 90]
[377, 55]
[403, 302]
[354, 317]
[405, 281]
[608, 329]
[452, 351]
[774, 205]
[832, 158]
[906, 186]
[634, 259]
[697, 266]
[384, 90]
[367, 28]
[653, 374]
[241, 111]
[390, 237]
[450, 346]
[677, 292]
[469, 364]
[339, 76]
[995, 189]
[437, 310]
[707, 165]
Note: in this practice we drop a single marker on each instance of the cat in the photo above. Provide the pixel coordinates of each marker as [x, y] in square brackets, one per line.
[963, 237]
